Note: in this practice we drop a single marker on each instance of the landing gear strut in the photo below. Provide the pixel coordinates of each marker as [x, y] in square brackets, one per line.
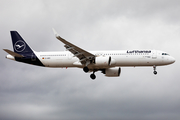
[154, 67]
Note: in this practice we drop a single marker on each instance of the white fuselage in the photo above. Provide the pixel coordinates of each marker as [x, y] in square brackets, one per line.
[108, 62]
[119, 58]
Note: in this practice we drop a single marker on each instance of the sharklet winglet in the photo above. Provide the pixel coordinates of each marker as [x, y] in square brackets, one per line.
[55, 33]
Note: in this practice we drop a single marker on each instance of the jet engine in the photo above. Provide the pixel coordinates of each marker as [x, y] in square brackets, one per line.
[113, 72]
[104, 61]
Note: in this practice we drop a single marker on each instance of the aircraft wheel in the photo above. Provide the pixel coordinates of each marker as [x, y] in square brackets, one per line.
[86, 69]
[93, 76]
[155, 72]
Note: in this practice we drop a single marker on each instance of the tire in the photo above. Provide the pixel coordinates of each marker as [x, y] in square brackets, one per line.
[93, 76]
[86, 69]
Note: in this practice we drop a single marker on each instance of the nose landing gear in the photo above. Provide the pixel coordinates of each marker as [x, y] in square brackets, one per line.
[155, 72]
[154, 67]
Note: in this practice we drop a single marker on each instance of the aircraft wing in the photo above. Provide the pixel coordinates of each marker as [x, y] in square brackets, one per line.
[83, 55]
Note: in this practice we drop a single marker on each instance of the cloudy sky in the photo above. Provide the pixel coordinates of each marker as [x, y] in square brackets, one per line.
[34, 93]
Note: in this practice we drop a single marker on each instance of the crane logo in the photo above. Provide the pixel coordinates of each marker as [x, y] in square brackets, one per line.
[19, 46]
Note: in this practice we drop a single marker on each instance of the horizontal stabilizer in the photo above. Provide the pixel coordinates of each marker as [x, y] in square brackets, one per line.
[13, 53]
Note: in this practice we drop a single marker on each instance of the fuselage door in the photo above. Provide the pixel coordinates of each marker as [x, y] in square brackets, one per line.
[154, 54]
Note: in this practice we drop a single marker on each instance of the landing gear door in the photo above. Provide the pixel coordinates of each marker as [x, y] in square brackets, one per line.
[154, 54]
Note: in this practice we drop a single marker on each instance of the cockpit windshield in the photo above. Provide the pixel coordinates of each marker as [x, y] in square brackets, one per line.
[165, 54]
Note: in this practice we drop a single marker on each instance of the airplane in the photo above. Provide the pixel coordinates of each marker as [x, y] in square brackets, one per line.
[108, 62]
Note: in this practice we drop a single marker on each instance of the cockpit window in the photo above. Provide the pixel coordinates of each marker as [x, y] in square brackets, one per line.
[165, 54]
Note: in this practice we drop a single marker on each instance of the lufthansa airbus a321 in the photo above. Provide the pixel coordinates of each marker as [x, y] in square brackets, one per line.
[108, 62]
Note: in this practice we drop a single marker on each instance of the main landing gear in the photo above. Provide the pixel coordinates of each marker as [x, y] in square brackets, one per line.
[86, 69]
[154, 67]
[92, 76]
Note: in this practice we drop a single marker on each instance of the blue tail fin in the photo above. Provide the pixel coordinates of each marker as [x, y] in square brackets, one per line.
[23, 53]
[19, 45]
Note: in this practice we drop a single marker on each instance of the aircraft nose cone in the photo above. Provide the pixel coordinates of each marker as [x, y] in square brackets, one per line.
[173, 60]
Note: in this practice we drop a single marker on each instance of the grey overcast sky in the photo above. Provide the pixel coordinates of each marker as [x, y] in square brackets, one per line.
[33, 93]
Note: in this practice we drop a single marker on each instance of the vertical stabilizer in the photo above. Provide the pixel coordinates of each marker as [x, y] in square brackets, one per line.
[22, 51]
[19, 45]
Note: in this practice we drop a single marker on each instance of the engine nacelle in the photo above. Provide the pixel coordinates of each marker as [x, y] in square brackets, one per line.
[103, 61]
[113, 72]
